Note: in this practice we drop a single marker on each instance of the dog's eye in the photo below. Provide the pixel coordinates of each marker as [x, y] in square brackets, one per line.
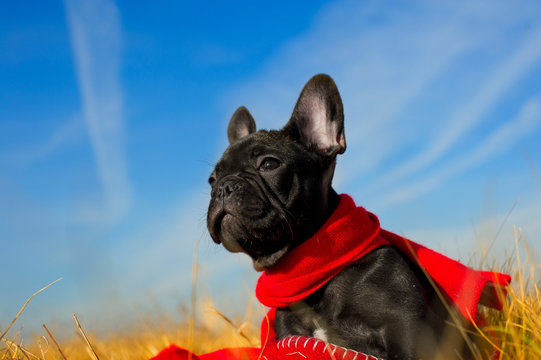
[212, 180]
[269, 164]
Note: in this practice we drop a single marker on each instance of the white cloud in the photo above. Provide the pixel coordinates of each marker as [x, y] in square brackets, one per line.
[96, 39]
[471, 114]
[500, 140]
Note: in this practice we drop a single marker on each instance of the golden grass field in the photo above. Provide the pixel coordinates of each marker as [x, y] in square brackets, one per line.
[517, 328]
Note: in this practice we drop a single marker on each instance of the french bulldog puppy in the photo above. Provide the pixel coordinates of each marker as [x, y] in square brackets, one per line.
[271, 190]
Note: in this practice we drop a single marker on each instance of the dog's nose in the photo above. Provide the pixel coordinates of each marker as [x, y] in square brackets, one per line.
[227, 188]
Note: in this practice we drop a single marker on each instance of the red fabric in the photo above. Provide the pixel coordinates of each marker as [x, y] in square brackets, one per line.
[174, 352]
[464, 287]
[350, 233]
[291, 348]
[346, 237]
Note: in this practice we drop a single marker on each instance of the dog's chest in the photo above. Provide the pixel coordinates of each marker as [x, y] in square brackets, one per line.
[352, 309]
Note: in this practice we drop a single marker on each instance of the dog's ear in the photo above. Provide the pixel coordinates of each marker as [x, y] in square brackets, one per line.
[241, 124]
[318, 118]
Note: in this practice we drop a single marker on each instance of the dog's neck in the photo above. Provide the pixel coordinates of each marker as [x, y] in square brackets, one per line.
[332, 203]
[327, 206]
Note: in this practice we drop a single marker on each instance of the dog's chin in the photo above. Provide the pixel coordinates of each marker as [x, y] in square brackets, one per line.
[231, 244]
[228, 229]
[262, 260]
[265, 262]
[265, 250]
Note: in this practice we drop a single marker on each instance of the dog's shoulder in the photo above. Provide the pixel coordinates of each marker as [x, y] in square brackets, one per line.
[383, 277]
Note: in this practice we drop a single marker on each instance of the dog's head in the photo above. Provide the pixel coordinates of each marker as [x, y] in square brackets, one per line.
[271, 190]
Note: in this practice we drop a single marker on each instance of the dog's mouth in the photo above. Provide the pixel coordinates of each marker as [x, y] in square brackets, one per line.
[267, 261]
[264, 246]
[229, 230]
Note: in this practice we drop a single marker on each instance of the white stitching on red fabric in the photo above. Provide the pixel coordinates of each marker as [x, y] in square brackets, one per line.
[282, 344]
[296, 352]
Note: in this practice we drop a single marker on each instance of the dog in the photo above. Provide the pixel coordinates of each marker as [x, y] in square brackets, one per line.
[272, 190]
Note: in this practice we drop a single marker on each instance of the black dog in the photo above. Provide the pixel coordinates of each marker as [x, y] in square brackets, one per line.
[271, 190]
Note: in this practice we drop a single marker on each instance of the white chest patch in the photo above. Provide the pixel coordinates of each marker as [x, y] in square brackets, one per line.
[320, 334]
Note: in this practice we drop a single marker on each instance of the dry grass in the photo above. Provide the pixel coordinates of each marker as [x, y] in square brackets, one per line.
[517, 328]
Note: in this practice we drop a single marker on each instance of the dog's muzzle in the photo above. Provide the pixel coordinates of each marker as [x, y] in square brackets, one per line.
[242, 219]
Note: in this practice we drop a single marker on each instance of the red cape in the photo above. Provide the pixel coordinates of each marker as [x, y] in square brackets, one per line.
[349, 234]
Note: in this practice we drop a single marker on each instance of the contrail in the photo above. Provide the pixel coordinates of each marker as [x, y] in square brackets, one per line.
[96, 39]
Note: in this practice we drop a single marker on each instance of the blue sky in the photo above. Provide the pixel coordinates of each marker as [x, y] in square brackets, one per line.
[112, 115]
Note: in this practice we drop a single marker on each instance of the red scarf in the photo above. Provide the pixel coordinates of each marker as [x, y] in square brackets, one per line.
[352, 232]
[349, 234]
